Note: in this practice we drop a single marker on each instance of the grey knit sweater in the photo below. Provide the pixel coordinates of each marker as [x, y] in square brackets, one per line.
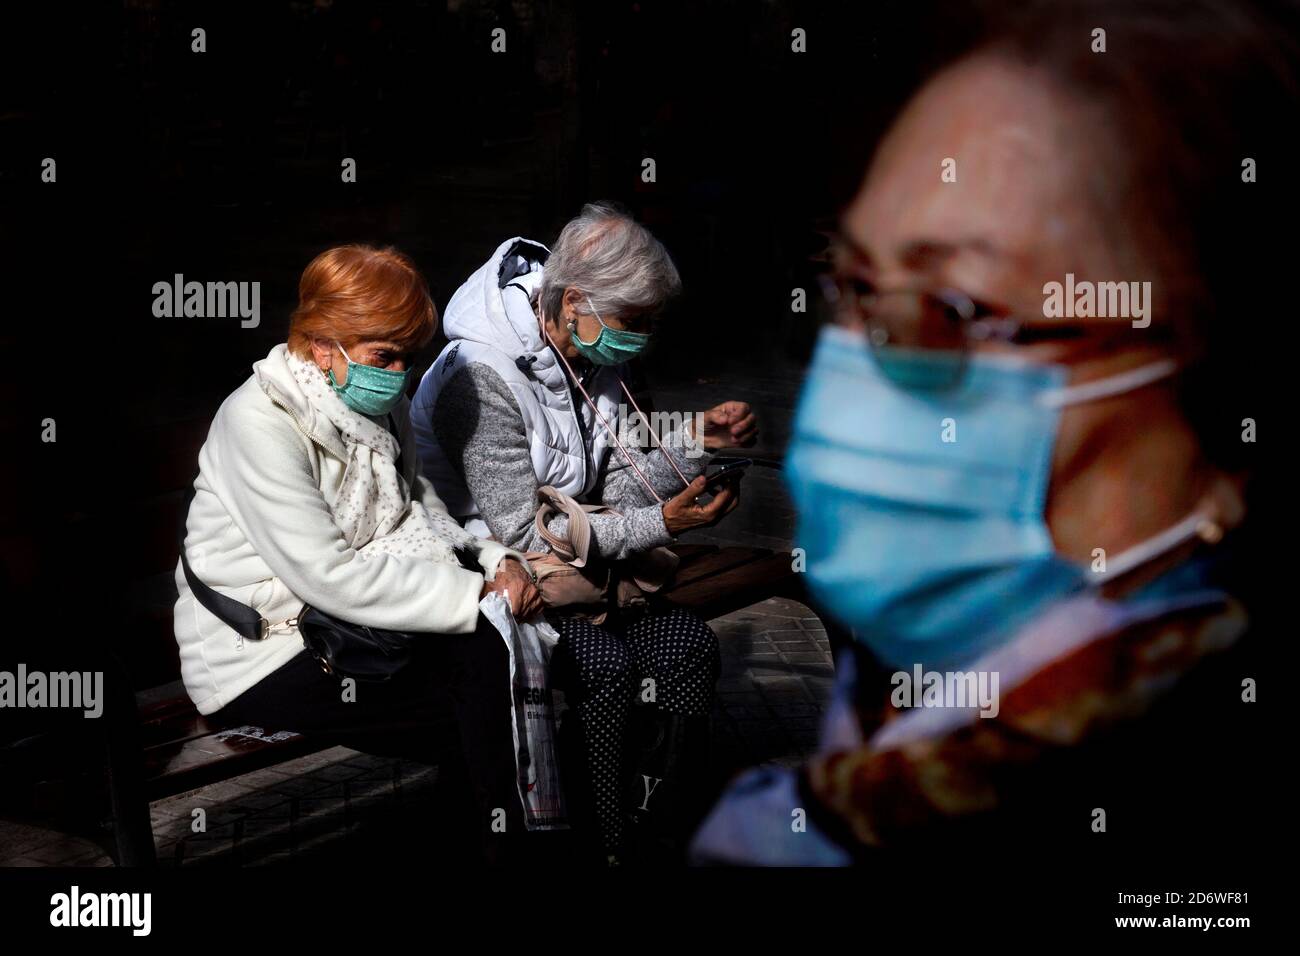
[481, 430]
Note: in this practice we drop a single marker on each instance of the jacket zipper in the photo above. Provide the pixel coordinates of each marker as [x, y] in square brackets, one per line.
[301, 431]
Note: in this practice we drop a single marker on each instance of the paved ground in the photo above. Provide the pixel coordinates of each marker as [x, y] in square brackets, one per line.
[341, 805]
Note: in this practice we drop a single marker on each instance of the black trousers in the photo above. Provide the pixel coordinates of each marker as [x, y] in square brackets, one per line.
[601, 670]
[450, 706]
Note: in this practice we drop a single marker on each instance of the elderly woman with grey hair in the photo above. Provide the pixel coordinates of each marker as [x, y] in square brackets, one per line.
[528, 393]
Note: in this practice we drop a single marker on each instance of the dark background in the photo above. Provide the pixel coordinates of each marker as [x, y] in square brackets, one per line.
[225, 166]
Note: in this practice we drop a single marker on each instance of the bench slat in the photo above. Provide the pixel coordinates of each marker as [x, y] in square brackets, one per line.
[183, 765]
[737, 587]
[692, 552]
[711, 565]
[177, 705]
[175, 729]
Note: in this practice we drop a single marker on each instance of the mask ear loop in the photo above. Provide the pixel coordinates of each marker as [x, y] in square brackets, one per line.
[1118, 384]
[573, 328]
[1195, 525]
[603, 421]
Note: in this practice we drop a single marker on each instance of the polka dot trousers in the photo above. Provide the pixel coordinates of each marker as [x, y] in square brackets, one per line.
[600, 673]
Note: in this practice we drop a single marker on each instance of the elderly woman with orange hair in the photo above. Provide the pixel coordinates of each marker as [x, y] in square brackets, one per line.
[309, 492]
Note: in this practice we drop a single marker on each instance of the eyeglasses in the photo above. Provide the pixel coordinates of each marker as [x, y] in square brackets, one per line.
[941, 325]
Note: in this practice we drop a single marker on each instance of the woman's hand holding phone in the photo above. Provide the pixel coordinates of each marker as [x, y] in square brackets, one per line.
[683, 512]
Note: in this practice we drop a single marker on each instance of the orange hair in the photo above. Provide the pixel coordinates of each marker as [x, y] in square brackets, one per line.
[353, 293]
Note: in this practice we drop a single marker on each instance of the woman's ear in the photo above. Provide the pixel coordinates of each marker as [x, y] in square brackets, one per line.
[322, 353]
[570, 302]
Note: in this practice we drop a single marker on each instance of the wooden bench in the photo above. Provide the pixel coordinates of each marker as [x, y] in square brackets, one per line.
[171, 748]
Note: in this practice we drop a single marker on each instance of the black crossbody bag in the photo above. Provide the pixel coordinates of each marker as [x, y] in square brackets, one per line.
[341, 648]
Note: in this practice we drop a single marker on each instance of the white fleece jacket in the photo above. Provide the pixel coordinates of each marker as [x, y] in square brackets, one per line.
[260, 531]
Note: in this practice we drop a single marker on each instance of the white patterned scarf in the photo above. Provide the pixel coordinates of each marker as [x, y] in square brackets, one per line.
[373, 507]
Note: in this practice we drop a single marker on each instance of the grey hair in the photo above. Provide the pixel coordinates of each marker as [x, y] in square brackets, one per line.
[621, 267]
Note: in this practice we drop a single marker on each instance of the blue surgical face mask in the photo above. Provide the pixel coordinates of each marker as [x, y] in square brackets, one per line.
[370, 390]
[921, 513]
[611, 346]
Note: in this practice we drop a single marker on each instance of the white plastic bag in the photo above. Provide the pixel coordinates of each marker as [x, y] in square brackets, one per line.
[532, 713]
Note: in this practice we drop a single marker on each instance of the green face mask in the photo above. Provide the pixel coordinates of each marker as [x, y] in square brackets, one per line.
[370, 390]
[612, 346]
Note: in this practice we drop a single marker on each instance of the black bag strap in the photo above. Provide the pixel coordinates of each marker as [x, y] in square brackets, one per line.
[240, 618]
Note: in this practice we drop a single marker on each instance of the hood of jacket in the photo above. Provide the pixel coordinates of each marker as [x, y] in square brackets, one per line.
[481, 311]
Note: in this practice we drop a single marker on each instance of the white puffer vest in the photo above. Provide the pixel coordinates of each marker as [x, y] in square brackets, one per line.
[490, 320]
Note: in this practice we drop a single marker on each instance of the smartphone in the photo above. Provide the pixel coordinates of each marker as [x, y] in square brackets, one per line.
[723, 470]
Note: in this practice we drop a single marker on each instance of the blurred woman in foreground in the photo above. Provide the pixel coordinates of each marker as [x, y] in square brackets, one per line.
[1054, 495]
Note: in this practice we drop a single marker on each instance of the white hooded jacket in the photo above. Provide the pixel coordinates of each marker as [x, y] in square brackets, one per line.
[490, 320]
[260, 531]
